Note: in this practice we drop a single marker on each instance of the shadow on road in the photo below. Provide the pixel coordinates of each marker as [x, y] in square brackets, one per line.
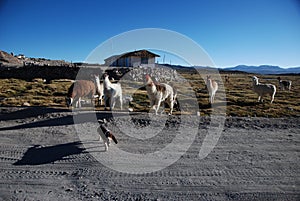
[67, 119]
[38, 155]
[27, 112]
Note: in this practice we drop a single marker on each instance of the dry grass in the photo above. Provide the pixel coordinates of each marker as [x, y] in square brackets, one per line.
[240, 99]
[15, 92]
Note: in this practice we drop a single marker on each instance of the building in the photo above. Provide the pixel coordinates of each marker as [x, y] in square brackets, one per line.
[132, 59]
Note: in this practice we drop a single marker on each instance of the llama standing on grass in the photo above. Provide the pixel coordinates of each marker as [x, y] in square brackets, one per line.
[78, 90]
[284, 84]
[212, 87]
[226, 78]
[158, 92]
[263, 89]
[112, 92]
[99, 89]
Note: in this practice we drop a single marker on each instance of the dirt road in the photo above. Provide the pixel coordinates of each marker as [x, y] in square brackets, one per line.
[43, 158]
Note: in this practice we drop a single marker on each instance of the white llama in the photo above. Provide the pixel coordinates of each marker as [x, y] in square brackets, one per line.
[212, 87]
[263, 89]
[112, 92]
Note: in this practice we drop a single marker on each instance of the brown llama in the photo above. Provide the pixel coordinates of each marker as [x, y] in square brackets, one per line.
[78, 90]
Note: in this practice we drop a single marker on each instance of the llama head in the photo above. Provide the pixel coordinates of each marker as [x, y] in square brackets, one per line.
[255, 79]
[148, 80]
[96, 78]
[105, 75]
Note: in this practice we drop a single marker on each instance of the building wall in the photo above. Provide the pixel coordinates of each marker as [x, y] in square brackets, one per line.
[151, 60]
[135, 61]
[132, 61]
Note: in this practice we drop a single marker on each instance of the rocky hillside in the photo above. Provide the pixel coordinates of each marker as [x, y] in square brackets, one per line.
[11, 60]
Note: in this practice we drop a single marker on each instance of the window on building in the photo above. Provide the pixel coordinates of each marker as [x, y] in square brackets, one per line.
[144, 60]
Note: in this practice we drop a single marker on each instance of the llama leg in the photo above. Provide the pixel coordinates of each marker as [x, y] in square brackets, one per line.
[112, 103]
[106, 145]
[152, 102]
[71, 102]
[158, 105]
[258, 100]
[212, 97]
[158, 98]
[92, 102]
[79, 102]
[121, 102]
[163, 107]
[272, 97]
[101, 99]
[171, 106]
[105, 102]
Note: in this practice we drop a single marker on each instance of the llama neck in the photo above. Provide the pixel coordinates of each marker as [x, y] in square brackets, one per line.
[107, 83]
[255, 82]
[209, 83]
[151, 86]
[97, 84]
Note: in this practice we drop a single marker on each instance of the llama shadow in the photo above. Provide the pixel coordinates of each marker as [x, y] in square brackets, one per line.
[212, 105]
[37, 155]
[67, 120]
[84, 117]
[27, 112]
[242, 103]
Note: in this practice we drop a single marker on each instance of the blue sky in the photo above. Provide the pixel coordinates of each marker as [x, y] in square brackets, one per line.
[232, 32]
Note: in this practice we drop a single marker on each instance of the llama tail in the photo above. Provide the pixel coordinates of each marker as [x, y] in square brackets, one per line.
[113, 138]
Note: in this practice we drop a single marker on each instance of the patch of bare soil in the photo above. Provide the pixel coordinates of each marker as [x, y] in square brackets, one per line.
[42, 158]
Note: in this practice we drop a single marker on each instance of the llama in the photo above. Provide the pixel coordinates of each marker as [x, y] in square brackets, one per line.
[158, 92]
[263, 89]
[112, 92]
[212, 87]
[99, 89]
[284, 84]
[79, 89]
[226, 78]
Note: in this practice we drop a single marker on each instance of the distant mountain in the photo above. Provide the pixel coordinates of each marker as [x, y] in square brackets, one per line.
[264, 69]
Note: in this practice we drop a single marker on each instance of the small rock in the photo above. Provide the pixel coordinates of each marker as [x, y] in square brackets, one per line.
[18, 191]
[26, 104]
[69, 190]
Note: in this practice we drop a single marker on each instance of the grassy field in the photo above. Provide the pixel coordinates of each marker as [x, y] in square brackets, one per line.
[240, 99]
